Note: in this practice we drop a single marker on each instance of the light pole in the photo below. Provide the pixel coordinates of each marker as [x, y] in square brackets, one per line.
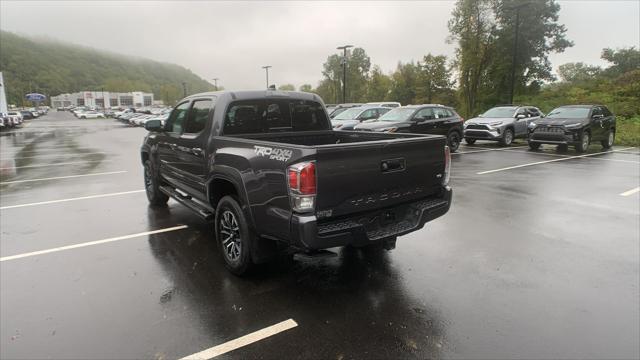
[215, 83]
[266, 69]
[515, 48]
[344, 71]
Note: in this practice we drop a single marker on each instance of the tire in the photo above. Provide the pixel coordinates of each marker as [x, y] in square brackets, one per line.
[470, 141]
[608, 142]
[534, 146]
[234, 236]
[453, 140]
[83, 117]
[152, 186]
[507, 137]
[583, 144]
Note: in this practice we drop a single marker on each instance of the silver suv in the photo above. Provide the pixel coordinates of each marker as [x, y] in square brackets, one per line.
[501, 123]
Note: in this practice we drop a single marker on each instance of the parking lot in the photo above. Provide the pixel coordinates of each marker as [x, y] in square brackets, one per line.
[537, 258]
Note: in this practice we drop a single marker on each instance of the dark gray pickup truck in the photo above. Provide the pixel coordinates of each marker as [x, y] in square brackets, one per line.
[274, 177]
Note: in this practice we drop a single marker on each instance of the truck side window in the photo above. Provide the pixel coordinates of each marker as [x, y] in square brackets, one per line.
[177, 117]
[244, 117]
[278, 117]
[198, 116]
[308, 116]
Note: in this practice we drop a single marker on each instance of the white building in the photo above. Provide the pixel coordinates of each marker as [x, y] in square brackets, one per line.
[3, 96]
[103, 99]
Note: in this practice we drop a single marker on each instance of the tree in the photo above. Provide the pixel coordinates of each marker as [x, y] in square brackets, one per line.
[379, 85]
[622, 60]
[435, 77]
[404, 82]
[577, 71]
[485, 33]
[306, 88]
[472, 26]
[358, 65]
[287, 87]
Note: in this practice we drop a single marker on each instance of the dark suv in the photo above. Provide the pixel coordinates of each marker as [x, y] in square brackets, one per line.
[575, 125]
[420, 119]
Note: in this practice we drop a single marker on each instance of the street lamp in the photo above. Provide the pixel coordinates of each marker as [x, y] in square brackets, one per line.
[215, 83]
[515, 48]
[344, 71]
[266, 69]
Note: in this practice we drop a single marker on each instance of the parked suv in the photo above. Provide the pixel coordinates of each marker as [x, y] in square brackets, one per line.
[420, 119]
[575, 125]
[501, 123]
[348, 119]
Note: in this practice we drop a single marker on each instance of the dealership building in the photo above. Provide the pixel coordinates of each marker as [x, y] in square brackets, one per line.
[103, 99]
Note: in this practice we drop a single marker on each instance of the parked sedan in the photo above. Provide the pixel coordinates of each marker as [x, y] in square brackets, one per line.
[347, 119]
[27, 115]
[91, 115]
[420, 119]
[502, 124]
[575, 125]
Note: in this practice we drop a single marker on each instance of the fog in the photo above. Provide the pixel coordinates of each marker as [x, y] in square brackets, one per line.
[232, 41]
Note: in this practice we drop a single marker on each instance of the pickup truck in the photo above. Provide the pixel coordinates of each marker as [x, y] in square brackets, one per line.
[269, 171]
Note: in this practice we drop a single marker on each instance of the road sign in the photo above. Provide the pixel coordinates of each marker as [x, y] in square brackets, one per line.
[35, 97]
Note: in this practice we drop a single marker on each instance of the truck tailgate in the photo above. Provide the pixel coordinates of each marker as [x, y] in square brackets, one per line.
[372, 175]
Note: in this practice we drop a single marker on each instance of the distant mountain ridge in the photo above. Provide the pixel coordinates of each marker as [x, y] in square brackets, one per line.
[52, 67]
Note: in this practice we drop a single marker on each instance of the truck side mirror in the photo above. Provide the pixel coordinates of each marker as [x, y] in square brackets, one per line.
[154, 125]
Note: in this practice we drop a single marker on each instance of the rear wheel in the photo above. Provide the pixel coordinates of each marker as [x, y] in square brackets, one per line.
[470, 141]
[234, 236]
[453, 140]
[152, 186]
[608, 142]
[534, 145]
[583, 145]
[507, 137]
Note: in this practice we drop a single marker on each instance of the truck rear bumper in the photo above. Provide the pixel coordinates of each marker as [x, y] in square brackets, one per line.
[366, 228]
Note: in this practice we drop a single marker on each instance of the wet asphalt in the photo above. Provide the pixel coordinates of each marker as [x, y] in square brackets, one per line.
[539, 261]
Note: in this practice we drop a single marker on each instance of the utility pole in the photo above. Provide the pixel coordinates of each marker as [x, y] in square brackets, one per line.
[215, 83]
[344, 71]
[104, 101]
[515, 49]
[184, 88]
[266, 69]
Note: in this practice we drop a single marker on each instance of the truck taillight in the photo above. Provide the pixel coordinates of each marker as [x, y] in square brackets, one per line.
[447, 166]
[302, 186]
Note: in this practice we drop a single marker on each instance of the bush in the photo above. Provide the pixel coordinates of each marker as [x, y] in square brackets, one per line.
[628, 130]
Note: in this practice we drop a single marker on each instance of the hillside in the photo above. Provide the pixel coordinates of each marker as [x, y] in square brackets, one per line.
[53, 67]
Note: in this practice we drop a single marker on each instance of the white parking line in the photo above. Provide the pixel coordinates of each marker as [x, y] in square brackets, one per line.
[242, 341]
[54, 164]
[484, 149]
[54, 155]
[630, 192]
[71, 199]
[62, 177]
[547, 161]
[591, 158]
[90, 243]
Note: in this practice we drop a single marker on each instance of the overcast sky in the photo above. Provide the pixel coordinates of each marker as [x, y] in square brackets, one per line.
[232, 40]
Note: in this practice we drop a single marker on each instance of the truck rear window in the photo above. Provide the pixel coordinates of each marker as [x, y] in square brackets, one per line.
[260, 116]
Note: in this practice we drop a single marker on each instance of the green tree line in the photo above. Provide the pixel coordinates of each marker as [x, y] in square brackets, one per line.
[52, 68]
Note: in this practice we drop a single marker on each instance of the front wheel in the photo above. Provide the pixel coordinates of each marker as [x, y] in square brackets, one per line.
[152, 186]
[470, 141]
[583, 145]
[507, 137]
[453, 140]
[234, 236]
[608, 142]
